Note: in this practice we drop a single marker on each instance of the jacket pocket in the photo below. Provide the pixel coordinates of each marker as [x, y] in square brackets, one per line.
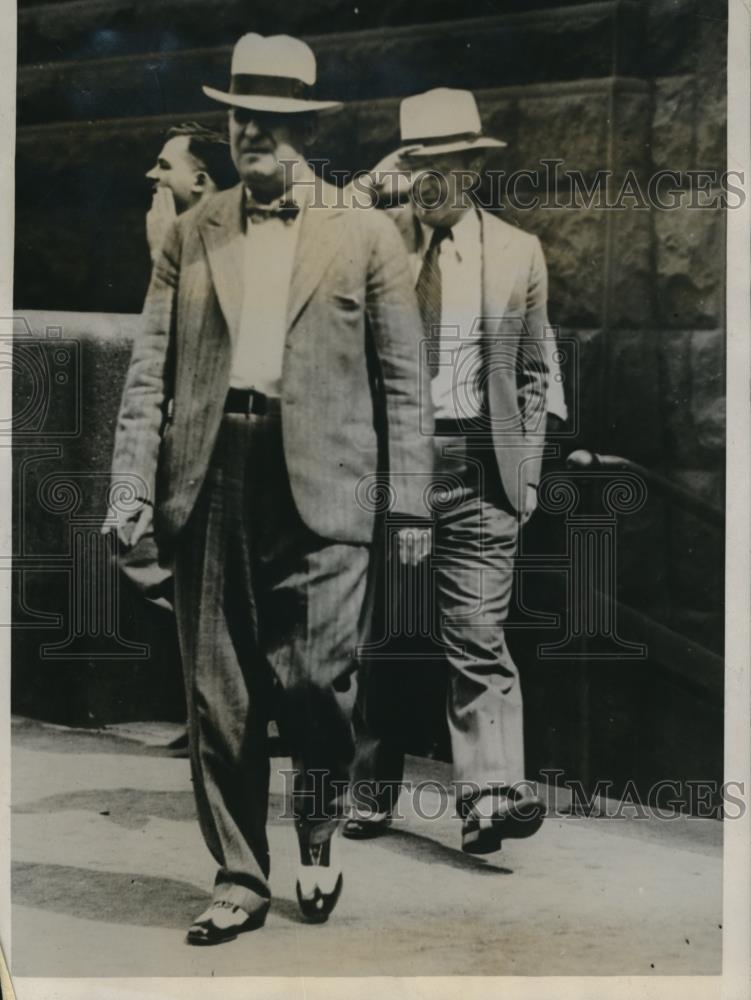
[348, 302]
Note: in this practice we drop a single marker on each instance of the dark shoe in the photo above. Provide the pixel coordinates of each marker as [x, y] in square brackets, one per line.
[223, 922]
[319, 880]
[499, 815]
[363, 826]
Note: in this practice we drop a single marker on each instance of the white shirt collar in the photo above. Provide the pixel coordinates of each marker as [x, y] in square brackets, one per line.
[465, 235]
[299, 192]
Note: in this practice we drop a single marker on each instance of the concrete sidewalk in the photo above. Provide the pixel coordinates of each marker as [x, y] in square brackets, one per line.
[110, 868]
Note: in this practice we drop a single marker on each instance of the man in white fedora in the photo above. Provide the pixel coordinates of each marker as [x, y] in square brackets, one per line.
[277, 371]
[482, 290]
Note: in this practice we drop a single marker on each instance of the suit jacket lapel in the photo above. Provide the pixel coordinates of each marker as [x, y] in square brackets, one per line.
[320, 235]
[224, 238]
[406, 222]
[498, 272]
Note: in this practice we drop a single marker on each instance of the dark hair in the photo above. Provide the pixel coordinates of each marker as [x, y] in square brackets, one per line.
[211, 149]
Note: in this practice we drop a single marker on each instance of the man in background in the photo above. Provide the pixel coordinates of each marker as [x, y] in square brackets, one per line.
[193, 163]
[482, 290]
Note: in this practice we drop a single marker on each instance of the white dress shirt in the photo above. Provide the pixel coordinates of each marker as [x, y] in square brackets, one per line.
[456, 388]
[270, 247]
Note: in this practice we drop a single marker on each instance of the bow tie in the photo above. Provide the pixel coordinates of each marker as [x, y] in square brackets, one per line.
[280, 209]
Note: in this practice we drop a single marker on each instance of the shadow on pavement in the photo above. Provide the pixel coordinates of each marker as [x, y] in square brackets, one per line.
[130, 808]
[111, 897]
[428, 851]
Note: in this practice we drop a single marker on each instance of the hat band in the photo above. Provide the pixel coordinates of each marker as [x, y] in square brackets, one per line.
[256, 85]
[440, 140]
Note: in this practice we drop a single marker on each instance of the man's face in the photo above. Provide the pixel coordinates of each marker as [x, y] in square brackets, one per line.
[441, 187]
[261, 143]
[177, 169]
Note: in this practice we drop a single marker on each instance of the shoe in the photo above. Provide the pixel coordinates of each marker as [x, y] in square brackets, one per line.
[223, 921]
[515, 814]
[364, 826]
[319, 878]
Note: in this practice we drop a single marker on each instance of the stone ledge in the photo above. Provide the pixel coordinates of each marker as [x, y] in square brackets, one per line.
[589, 37]
[390, 61]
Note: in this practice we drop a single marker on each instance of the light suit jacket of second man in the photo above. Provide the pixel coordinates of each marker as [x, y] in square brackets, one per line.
[516, 341]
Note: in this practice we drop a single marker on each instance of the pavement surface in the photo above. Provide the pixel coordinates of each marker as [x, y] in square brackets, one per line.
[110, 868]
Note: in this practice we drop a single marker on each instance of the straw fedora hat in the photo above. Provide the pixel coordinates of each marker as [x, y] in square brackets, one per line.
[442, 120]
[274, 73]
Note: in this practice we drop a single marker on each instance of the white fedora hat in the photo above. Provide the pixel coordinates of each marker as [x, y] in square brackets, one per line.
[274, 73]
[442, 121]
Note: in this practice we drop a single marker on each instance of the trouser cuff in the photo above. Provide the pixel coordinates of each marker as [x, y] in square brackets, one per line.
[240, 895]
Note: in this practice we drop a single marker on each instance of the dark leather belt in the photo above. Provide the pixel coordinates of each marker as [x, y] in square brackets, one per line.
[449, 427]
[249, 401]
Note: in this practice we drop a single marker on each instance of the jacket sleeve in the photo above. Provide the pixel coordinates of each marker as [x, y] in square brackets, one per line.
[141, 416]
[534, 354]
[396, 329]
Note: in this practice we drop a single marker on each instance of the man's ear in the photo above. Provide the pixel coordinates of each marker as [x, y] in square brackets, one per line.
[201, 182]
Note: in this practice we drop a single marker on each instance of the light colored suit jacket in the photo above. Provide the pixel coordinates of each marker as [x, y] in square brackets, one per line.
[516, 351]
[352, 392]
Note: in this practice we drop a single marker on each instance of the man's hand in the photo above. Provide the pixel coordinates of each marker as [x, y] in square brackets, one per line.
[130, 527]
[414, 544]
[159, 218]
[391, 177]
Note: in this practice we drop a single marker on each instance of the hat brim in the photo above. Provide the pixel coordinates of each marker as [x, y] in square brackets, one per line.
[278, 105]
[460, 146]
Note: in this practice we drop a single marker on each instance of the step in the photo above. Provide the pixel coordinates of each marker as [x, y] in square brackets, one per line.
[88, 29]
[602, 40]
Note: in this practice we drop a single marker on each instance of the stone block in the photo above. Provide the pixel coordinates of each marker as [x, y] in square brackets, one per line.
[711, 129]
[690, 267]
[674, 123]
[588, 125]
[693, 392]
[707, 360]
[629, 268]
[568, 122]
[629, 123]
[574, 245]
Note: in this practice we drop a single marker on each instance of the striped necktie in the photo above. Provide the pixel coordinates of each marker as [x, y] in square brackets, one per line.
[429, 298]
